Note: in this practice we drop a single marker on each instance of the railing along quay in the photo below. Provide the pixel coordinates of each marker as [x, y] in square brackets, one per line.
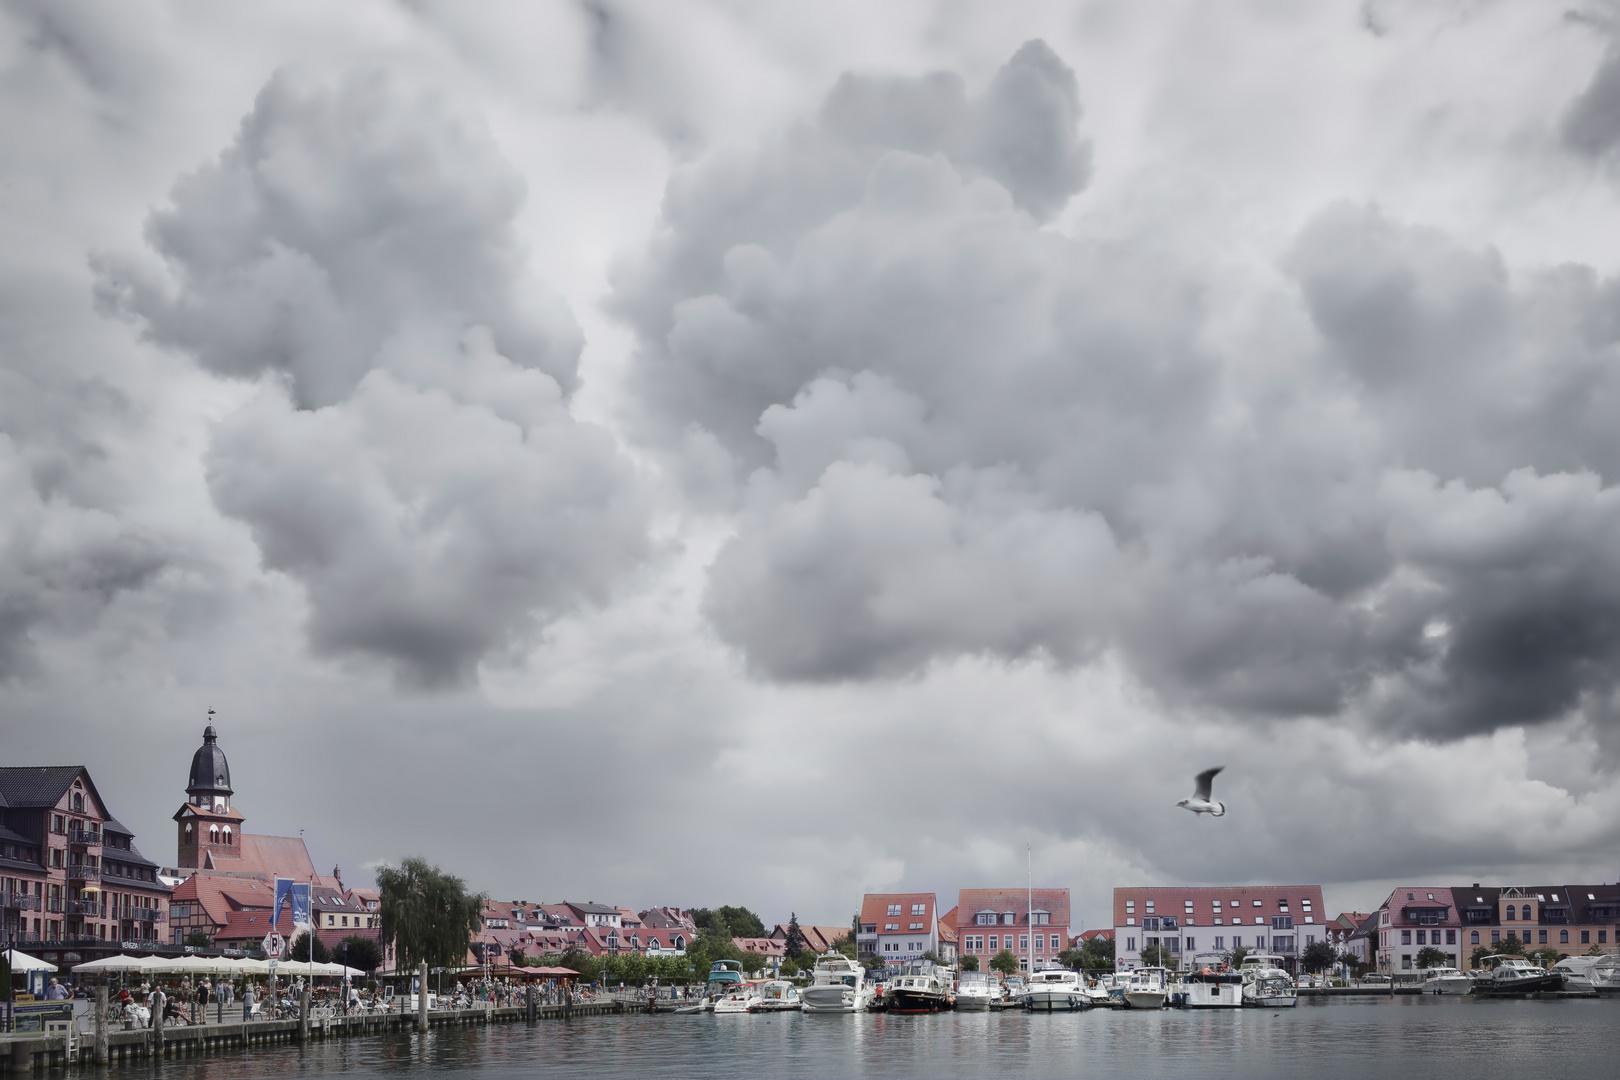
[35, 1052]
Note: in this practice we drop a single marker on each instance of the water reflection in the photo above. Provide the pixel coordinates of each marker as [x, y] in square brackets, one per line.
[1436, 1038]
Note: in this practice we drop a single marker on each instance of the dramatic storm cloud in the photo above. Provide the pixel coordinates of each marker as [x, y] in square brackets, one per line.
[421, 473]
[919, 429]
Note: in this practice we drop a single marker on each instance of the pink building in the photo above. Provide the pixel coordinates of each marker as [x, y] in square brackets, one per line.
[1033, 926]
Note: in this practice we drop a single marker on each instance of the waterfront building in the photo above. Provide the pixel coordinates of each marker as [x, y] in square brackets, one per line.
[772, 950]
[817, 939]
[1189, 920]
[599, 915]
[1032, 924]
[669, 918]
[73, 885]
[948, 943]
[1363, 943]
[1340, 928]
[1413, 918]
[897, 927]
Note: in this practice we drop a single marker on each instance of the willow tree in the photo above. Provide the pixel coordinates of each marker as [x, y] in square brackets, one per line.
[427, 915]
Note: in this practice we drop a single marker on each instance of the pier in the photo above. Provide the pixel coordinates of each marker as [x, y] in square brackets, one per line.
[30, 1052]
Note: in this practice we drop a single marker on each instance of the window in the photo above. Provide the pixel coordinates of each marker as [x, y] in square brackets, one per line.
[1306, 903]
[1282, 905]
[1237, 942]
[1041, 918]
[1220, 942]
[993, 940]
[1420, 940]
[1256, 903]
[1282, 922]
[1217, 905]
[1056, 943]
[1130, 907]
[1451, 937]
[891, 926]
[1473, 937]
[985, 918]
[1586, 937]
[894, 909]
[1563, 937]
[1187, 906]
[1406, 937]
[1512, 913]
[1603, 937]
[1541, 937]
[916, 926]
[1150, 924]
[918, 909]
[1023, 943]
[1009, 918]
[1406, 962]
[1496, 936]
[1130, 921]
[1192, 943]
[58, 823]
[1130, 944]
[1150, 906]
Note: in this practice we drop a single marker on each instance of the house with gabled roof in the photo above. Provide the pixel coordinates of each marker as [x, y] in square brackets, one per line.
[1185, 921]
[897, 927]
[1032, 924]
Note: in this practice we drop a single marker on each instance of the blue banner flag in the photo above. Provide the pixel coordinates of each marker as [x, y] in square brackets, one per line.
[300, 905]
[283, 892]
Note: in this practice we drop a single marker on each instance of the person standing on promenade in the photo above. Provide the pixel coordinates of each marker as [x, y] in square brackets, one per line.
[247, 1002]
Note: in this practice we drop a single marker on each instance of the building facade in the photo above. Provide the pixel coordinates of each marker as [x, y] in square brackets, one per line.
[1032, 925]
[1570, 919]
[73, 884]
[897, 927]
[1194, 924]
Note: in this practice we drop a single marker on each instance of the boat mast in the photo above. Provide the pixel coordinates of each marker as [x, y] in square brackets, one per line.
[1029, 901]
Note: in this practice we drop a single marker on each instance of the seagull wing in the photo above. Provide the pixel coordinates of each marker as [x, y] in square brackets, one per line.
[1206, 781]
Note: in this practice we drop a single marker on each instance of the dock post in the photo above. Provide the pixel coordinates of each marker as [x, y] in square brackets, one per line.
[303, 1017]
[421, 996]
[100, 1051]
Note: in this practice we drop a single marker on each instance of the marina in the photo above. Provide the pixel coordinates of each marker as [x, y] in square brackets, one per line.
[1437, 1037]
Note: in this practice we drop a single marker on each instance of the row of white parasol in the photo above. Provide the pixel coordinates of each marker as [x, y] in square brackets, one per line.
[210, 965]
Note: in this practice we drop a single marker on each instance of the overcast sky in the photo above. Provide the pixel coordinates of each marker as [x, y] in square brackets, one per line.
[714, 451]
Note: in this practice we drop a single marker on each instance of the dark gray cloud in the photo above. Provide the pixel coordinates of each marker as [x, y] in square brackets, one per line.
[1591, 124]
[422, 476]
[960, 433]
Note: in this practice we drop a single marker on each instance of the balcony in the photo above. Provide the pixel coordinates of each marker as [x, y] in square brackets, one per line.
[20, 901]
[84, 837]
[53, 905]
[72, 940]
[87, 907]
[141, 914]
[83, 872]
[24, 937]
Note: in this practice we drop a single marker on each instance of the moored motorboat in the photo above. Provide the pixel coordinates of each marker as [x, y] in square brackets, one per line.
[776, 995]
[1055, 990]
[921, 987]
[1514, 976]
[1147, 988]
[1266, 983]
[976, 990]
[1605, 975]
[838, 985]
[740, 999]
[1446, 980]
[1212, 990]
[724, 977]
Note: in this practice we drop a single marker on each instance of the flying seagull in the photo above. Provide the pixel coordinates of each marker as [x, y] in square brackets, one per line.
[1201, 803]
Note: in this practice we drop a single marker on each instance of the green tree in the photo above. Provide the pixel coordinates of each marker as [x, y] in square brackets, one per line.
[1319, 956]
[1099, 952]
[1429, 956]
[1238, 955]
[970, 963]
[1546, 957]
[1073, 959]
[753, 963]
[1511, 947]
[300, 949]
[788, 968]
[845, 946]
[1157, 956]
[1004, 962]
[360, 952]
[427, 914]
[742, 922]
[517, 956]
[1477, 957]
[929, 954]
[588, 966]
[794, 945]
[198, 939]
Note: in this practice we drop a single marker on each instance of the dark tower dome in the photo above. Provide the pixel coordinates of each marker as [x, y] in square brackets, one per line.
[210, 772]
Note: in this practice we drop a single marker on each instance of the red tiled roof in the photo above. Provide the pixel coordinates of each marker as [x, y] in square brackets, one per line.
[1171, 900]
[251, 926]
[947, 925]
[280, 856]
[763, 945]
[1086, 935]
[221, 894]
[875, 910]
[1016, 900]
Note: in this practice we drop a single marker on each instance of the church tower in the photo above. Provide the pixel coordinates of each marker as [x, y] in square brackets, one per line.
[210, 829]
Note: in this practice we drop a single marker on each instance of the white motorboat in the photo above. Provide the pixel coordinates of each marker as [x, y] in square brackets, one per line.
[1055, 990]
[1605, 974]
[1212, 990]
[1148, 988]
[1266, 983]
[777, 995]
[1111, 984]
[976, 990]
[1446, 980]
[740, 999]
[1577, 972]
[838, 985]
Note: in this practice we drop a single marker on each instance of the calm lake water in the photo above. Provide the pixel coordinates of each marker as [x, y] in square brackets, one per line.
[1433, 1038]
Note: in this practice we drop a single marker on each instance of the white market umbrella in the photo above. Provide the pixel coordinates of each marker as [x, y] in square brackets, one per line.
[249, 966]
[21, 961]
[114, 963]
